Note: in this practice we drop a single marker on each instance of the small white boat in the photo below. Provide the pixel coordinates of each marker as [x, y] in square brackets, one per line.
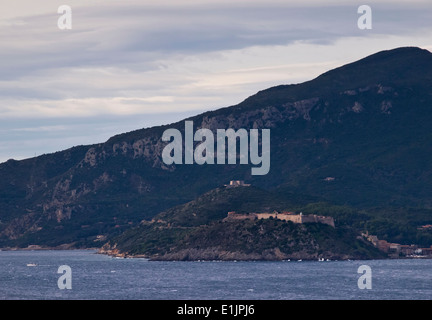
[31, 264]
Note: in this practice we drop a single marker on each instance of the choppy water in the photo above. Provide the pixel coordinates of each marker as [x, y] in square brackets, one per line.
[95, 276]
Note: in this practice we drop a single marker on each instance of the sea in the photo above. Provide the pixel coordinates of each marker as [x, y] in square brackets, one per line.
[87, 275]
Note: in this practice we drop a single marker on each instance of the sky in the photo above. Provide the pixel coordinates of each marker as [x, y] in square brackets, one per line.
[130, 64]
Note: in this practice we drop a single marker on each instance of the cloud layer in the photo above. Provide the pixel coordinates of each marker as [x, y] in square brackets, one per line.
[135, 60]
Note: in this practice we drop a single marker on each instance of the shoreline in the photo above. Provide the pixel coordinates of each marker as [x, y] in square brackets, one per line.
[46, 248]
[299, 258]
[119, 255]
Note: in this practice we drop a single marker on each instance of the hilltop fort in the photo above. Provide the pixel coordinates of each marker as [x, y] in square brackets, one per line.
[287, 216]
[237, 183]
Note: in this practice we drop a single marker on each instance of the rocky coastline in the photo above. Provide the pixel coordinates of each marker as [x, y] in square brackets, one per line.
[220, 254]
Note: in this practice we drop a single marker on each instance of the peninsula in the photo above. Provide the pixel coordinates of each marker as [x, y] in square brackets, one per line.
[203, 229]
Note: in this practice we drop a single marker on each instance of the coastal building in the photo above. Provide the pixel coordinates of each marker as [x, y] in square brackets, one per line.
[426, 251]
[383, 245]
[396, 249]
[408, 249]
[374, 240]
[286, 216]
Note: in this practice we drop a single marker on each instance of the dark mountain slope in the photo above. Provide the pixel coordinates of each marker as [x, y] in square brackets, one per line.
[357, 135]
[401, 67]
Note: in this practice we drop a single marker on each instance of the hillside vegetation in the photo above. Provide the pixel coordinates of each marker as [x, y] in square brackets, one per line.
[198, 230]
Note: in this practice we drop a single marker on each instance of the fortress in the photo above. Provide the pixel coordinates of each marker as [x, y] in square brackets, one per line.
[287, 216]
[237, 183]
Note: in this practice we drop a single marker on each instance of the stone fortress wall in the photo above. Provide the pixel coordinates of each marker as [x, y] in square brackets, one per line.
[287, 216]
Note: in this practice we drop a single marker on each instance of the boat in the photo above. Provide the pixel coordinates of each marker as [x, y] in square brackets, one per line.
[31, 264]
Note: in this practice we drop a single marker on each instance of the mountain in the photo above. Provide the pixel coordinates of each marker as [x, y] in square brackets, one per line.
[356, 136]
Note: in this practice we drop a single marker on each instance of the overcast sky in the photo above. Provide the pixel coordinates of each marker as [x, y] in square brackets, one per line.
[130, 64]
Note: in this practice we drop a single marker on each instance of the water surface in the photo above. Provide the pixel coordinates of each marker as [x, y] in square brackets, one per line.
[33, 275]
